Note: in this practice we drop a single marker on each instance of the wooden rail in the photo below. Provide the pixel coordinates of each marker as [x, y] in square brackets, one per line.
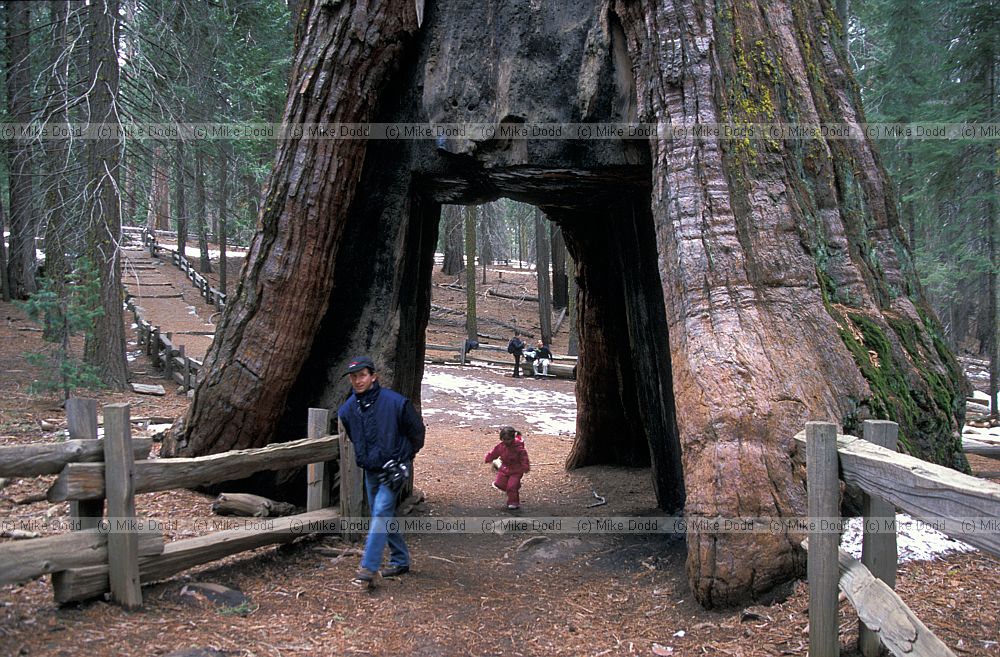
[210, 294]
[947, 499]
[124, 551]
[159, 347]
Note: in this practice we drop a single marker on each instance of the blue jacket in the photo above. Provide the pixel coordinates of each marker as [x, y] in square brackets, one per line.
[382, 424]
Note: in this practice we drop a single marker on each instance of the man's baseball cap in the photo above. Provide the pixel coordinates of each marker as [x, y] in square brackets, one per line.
[358, 364]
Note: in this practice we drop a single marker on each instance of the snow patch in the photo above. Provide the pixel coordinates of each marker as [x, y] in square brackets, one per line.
[915, 541]
[548, 412]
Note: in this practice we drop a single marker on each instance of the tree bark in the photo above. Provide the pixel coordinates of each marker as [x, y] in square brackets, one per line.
[159, 196]
[200, 210]
[470, 273]
[993, 219]
[4, 287]
[573, 348]
[725, 231]
[273, 315]
[21, 258]
[542, 271]
[560, 285]
[180, 184]
[223, 202]
[453, 240]
[730, 290]
[105, 348]
[56, 159]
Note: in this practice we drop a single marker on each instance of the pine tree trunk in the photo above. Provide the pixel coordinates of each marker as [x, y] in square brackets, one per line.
[4, 288]
[159, 195]
[542, 272]
[454, 240]
[993, 217]
[560, 285]
[200, 210]
[471, 328]
[223, 202]
[573, 349]
[105, 349]
[21, 258]
[180, 183]
[56, 160]
[272, 317]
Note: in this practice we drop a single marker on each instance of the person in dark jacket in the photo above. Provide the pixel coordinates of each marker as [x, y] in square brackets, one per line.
[386, 432]
[543, 356]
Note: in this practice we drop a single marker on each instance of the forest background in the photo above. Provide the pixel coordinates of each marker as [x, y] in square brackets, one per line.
[153, 62]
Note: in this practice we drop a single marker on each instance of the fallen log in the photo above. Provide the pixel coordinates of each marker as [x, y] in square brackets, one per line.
[84, 583]
[254, 506]
[51, 458]
[28, 559]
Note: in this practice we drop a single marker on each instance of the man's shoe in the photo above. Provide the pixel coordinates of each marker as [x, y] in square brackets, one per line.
[395, 571]
[364, 578]
[513, 507]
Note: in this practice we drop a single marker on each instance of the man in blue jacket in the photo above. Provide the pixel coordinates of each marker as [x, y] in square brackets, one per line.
[386, 432]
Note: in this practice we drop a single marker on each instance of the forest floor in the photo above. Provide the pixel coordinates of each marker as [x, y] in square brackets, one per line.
[478, 592]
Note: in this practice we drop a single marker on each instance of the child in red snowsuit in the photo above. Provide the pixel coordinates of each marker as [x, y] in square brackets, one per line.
[515, 464]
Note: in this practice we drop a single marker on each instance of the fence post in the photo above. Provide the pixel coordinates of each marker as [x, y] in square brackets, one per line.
[81, 421]
[119, 487]
[168, 366]
[318, 474]
[822, 568]
[352, 484]
[186, 374]
[154, 340]
[878, 542]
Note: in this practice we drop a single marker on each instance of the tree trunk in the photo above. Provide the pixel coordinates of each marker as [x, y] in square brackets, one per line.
[993, 219]
[223, 201]
[200, 210]
[273, 316]
[470, 272]
[454, 242]
[560, 284]
[4, 288]
[21, 258]
[748, 371]
[573, 349]
[542, 272]
[730, 290]
[105, 348]
[159, 196]
[180, 183]
[56, 160]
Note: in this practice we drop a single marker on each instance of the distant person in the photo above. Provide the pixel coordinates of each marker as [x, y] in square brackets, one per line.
[514, 464]
[543, 356]
[516, 348]
[386, 432]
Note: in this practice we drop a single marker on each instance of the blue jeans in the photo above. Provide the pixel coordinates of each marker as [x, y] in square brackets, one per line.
[382, 501]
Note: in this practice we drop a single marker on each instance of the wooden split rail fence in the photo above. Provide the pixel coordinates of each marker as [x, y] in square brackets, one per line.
[159, 347]
[121, 552]
[211, 295]
[945, 499]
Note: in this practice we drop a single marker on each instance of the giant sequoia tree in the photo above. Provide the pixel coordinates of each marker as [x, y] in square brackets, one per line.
[728, 290]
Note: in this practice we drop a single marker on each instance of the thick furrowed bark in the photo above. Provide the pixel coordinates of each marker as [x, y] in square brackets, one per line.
[268, 328]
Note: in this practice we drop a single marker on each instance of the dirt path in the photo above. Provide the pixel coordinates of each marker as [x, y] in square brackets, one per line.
[167, 299]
